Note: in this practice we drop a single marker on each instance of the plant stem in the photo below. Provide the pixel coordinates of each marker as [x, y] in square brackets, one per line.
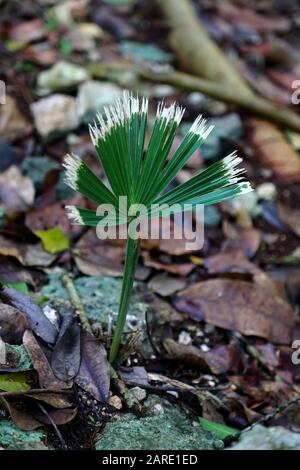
[132, 253]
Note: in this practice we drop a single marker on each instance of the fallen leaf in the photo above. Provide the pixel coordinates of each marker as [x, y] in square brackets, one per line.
[28, 31]
[12, 324]
[21, 418]
[41, 364]
[95, 257]
[217, 360]
[54, 240]
[93, 375]
[36, 319]
[181, 269]
[248, 308]
[65, 361]
[246, 239]
[14, 382]
[274, 151]
[13, 125]
[59, 417]
[27, 255]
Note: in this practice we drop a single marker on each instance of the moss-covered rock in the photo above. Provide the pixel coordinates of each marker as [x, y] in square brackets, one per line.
[163, 426]
[13, 438]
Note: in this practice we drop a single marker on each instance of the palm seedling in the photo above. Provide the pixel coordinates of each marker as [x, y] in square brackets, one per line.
[143, 175]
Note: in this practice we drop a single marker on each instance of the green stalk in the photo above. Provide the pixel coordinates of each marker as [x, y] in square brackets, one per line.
[132, 254]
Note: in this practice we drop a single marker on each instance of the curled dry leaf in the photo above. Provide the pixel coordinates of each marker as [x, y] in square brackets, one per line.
[65, 360]
[249, 308]
[93, 375]
[217, 360]
[37, 320]
[41, 364]
[27, 255]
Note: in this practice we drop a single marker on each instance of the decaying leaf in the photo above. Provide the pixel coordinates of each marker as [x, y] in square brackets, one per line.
[41, 364]
[93, 375]
[249, 308]
[37, 320]
[65, 360]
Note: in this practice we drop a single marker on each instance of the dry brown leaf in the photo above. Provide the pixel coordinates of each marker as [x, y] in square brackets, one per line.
[16, 191]
[181, 269]
[274, 150]
[96, 257]
[41, 364]
[249, 308]
[12, 324]
[217, 360]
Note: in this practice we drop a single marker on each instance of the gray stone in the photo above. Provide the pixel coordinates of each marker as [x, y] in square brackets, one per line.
[62, 76]
[273, 438]
[93, 96]
[55, 114]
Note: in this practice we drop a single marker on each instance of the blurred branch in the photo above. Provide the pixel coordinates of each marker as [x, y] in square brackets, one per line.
[223, 92]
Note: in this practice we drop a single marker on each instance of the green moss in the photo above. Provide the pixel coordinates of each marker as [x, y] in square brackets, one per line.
[13, 438]
[164, 426]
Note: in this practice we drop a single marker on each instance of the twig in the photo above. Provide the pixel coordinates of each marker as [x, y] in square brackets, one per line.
[57, 431]
[76, 303]
[250, 103]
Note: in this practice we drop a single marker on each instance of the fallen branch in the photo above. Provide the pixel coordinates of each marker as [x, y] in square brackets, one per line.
[200, 55]
[244, 101]
[76, 303]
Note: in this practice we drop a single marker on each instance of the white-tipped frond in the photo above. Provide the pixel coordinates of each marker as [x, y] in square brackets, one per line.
[231, 163]
[245, 187]
[172, 113]
[71, 164]
[74, 215]
[116, 114]
[200, 127]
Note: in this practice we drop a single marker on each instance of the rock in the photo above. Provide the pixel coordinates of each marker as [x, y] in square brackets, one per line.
[273, 438]
[116, 402]
[16, 191]
[165, 285]
[164, 426]
[266, 191]
[92, 96]
[83, 36]
[199, 102]
[138, 393]
[212, 216]
[65, 12]
[13, 125]
[13, 438]
[55, 114]
[37, 168]
[62, 76]
[143, 52]
[226, 128]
